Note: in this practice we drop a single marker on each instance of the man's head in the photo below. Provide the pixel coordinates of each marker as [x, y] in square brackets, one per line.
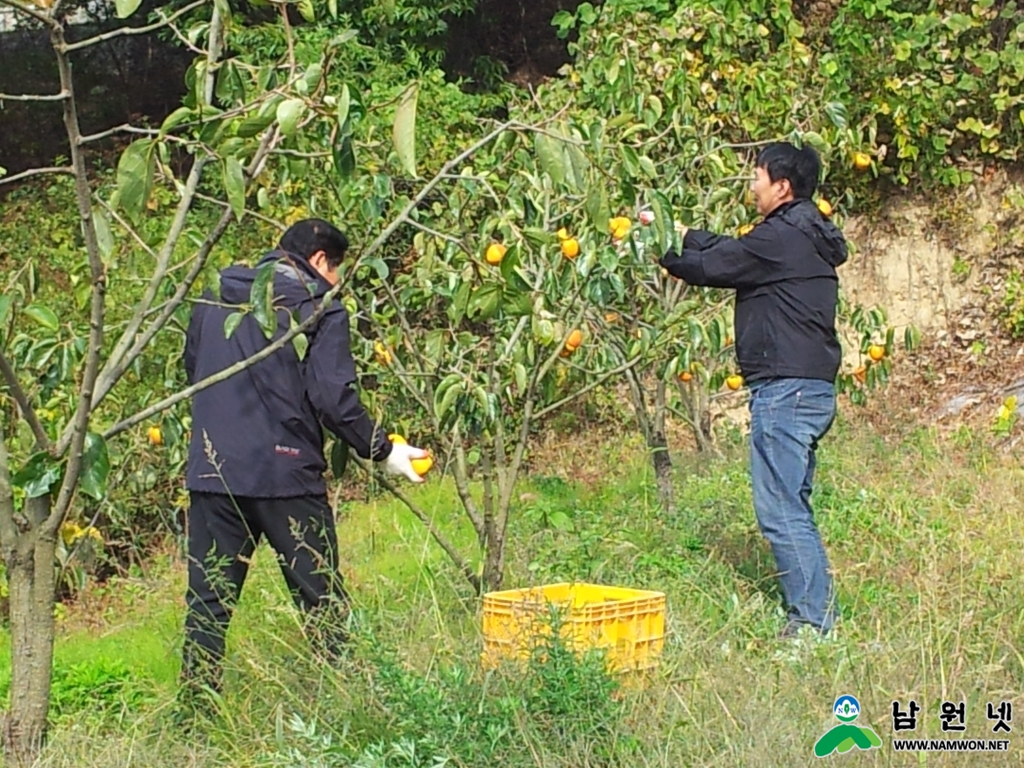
[322, 244]
[784, 173]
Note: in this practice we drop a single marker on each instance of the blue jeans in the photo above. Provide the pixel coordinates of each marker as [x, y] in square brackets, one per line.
[788, 418]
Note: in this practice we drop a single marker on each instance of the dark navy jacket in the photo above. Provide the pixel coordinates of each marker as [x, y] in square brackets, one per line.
[784, 273]
[263, 427]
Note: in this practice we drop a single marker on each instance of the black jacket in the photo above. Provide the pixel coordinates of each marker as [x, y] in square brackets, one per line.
[784, 273]
[265, 424]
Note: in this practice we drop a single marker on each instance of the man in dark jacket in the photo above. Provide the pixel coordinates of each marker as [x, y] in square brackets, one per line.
[784, 274]
[256, 456]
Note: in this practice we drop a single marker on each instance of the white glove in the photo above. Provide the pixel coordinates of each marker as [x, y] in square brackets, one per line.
[399, 461]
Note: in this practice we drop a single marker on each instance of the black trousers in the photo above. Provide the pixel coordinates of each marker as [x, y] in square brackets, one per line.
[223, 533]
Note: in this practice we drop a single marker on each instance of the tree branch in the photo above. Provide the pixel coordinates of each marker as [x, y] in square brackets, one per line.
[32, 96]
[427, 189]
[439, 537]
[124, 128]
[98, 278]
[36, 172]
[329, 297]
[110, 374]
[592, 385]
[128, 228]
[171, 305]
[460, 476]
[42, 440]
[254, 214]
[68, 47]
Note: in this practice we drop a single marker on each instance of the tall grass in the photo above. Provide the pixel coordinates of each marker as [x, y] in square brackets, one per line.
[923, 533]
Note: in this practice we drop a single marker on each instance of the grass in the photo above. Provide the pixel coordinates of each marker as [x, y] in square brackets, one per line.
[922, 532]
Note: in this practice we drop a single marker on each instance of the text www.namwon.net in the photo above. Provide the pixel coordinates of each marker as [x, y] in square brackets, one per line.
[951, 745]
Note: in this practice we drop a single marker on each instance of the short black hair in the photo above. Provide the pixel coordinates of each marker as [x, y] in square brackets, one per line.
[801, 166]
[306, 237]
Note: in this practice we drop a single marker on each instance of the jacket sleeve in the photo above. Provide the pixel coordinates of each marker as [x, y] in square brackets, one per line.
[720, 261]
[330, 379]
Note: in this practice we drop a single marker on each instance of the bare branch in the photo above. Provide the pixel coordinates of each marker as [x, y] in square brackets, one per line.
[128, 228]
[125, 128]
[462, 487]
[427, 189]
[163, 259]
[98, 278]
[248, 212]
[329, 297]
[592, 385]
[297, 153]
[168, 308]
[36, 172]
[440, 235]
[122, 31]
[439, 537]
[32, 96]
[225, 373]
[42, 440]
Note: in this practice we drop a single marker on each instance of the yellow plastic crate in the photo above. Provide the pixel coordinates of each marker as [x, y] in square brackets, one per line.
[628, 623]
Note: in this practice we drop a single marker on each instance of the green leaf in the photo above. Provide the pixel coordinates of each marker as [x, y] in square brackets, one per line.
[663, 219]
[43, 315]
[521, 380]
[38, 476]
[332, 8]
[135, 177]
[254, 124]
[344, 157]
[104, 239]
[306, 10]
[378, 266]
[344, 104]
[301, 344]
[597, 207]
[339, 457]
[485, 301]
[231, 323]
[173, 120]
[234, 185]
[126, 8]
[5, 310]
[262, 297]
[816, 140]
[444, 404]
[289, 113]
[95, 466]
[457, 309]
[508, 270]
[837, 113]
[560, 519]
[551, 157]
[404, 130]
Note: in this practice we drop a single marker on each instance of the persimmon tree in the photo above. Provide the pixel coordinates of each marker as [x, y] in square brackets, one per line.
[692, 92]
[133, 269]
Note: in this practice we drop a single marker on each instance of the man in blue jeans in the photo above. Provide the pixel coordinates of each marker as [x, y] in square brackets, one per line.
[784, 274]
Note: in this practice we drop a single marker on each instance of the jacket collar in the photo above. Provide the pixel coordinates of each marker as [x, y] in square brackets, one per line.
[298, 269]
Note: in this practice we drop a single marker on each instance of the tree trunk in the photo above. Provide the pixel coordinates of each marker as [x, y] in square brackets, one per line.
[494, 561]
[31, 578]
[657, 444]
